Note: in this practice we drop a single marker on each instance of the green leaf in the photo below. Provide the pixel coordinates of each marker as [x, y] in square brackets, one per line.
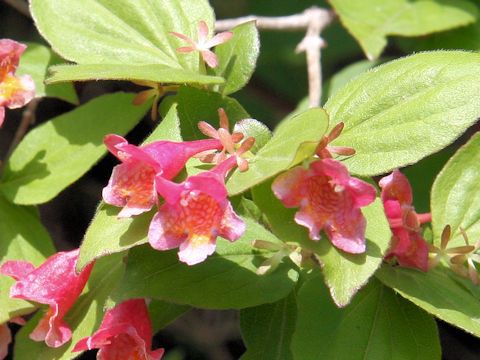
[405, 110]
[344, 76]
[196, 105]
[123, 31]
[267, 329]
[371, 21]
[237, 57]
[83, 318]
[22, 237]
[344, 273]
[151, 72]
[437, 293]
[34, 62]
[294, 140]
[107, 233]
[225, 280]
[163, 313]
[378, 324]
[60, 151]
[456, 194]
[465, 38]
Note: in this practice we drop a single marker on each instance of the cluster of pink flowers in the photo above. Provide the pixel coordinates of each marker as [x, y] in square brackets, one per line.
[195, 211]
[125, 329]
[15, 91]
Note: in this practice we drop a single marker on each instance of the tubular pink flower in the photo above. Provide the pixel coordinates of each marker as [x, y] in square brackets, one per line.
[329, 199]
[54, 283]
[5, 340]
[204, 44]
[125, 333]
[15, 91]
[194, 214]
[132, 184]
[408, 246]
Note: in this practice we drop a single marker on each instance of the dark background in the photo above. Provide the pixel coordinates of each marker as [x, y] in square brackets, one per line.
[279, 84]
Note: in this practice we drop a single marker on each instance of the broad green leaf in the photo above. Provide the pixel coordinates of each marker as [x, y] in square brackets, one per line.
[196, 105]
[83, 318]
[22, 237]
[108, 234]
[163, 313]
[378, 324]
[225, 280]
[122, 31]
[437, 293]
[405, 110]
[293, 141]
[344, 76]
[237, 57]
[371, 21]
[150, 72]
[60, 151]
[421, 176]
[464, 38]
[456, 194]
[34, 62]
[267, 329]
[344, 273]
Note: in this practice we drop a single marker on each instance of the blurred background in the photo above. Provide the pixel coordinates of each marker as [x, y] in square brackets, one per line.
[277, 87]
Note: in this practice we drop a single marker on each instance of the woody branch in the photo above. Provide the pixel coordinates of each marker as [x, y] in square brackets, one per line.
[313, 20]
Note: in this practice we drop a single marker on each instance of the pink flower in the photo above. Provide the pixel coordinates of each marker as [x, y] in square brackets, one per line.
[408, 246]
[329, 199]
[125, 333]
[204, 44]
[54, 283]
[15, 91]
[5, 340]
[194, 214]
[131, 185]
[6, 336]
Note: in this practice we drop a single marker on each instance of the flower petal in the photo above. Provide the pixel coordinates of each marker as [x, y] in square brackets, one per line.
[55, 283]
[5, 340]
[219, 39]
[16, 269]
[363, 193]
[2, 115]
[111, 141]
[183, 37]
[210, 58]
[232, 226]
[202, 32]
[196, 249]
[289, 186]
[157, 236]
[304, 217]
[347, 231]
[396, 187]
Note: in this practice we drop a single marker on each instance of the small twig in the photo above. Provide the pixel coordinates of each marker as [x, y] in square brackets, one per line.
[313, 20]
[19, 5]
[28, 118]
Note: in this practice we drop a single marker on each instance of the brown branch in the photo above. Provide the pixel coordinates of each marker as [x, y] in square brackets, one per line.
[28, 118]
[313, 20]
